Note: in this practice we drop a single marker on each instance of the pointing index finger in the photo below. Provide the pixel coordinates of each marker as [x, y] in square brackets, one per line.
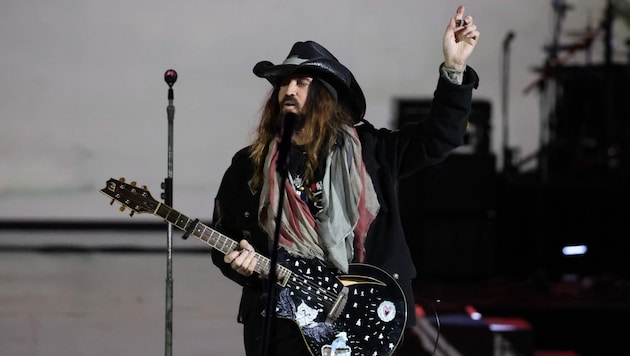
[459, 16]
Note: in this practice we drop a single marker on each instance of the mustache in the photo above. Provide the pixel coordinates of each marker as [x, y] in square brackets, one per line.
[289, 100]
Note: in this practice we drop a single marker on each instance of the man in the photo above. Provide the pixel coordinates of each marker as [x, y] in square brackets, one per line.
[333, 190]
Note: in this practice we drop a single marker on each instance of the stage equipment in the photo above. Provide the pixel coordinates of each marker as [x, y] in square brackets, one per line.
[170, 77]
[584, 131]
[590, 130]
[448, 209]
[508, 153]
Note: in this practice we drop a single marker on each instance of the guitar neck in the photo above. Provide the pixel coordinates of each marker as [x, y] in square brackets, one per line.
[212, 237]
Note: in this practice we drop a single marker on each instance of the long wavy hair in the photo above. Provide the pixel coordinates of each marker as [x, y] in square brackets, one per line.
[322, 119]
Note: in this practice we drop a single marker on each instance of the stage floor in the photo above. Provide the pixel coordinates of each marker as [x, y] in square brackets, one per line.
[80, 293]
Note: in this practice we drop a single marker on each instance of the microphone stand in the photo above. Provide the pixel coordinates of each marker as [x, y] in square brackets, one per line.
[288, 124]
[611, 127]
[170, 77]
[507, 151]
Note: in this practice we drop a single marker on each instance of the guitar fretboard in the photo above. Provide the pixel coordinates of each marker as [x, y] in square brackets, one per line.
[217, 240]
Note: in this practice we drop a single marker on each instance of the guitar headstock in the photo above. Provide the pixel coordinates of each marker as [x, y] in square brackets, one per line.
[138, 199]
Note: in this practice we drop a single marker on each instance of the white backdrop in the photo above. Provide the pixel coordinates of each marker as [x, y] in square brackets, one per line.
[83, 96]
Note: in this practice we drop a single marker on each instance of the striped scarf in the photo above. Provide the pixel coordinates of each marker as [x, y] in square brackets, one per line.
[349, 205]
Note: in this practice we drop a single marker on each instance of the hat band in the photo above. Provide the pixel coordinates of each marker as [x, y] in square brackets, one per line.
[294, 60]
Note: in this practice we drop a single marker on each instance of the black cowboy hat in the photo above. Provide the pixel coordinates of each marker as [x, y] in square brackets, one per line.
[313, 59]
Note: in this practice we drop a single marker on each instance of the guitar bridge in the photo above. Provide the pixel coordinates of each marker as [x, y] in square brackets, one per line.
[338, 306]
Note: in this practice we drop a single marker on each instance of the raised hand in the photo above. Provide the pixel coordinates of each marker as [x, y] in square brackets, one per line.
[460, 38]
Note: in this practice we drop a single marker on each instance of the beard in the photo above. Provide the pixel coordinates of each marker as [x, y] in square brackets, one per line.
[289, 104]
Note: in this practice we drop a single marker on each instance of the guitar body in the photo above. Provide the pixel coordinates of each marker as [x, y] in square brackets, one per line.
[360, 313]
[371, 318]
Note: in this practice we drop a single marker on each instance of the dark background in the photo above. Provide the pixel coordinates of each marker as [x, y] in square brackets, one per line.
[492, 238]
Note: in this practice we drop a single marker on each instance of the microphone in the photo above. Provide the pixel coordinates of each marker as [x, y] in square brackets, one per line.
[170, 77]
[508, 38]
[288, 123]
[561, 5]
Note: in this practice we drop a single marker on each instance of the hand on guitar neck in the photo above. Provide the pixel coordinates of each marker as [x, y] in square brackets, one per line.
[243, 260]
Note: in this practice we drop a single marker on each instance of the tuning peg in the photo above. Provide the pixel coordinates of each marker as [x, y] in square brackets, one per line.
[133, 183]
[122, 179]
[144, 187]
[122, 208]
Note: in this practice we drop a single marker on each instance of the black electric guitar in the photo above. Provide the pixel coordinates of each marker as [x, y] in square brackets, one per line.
[361, 313]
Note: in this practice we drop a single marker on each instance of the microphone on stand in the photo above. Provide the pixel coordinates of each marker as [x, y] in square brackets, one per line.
[508, 153]
[287, 127]
[561, 5]
[170, 77]
[508, 38]
[288, 122]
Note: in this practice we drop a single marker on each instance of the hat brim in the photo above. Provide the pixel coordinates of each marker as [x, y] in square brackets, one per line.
[348, 90]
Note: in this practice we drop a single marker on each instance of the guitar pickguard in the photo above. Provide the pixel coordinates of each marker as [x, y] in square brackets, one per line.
[372, 317]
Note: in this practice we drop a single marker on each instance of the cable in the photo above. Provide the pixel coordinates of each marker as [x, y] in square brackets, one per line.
[437, 323]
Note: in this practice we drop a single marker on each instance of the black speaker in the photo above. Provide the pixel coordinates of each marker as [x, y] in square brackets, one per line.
[448, 213]
[590, 132]
[448, 210]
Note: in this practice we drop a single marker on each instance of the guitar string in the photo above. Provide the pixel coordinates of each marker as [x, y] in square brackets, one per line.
[207, 235]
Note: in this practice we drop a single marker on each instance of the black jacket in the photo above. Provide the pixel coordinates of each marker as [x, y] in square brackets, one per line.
[388, 156]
